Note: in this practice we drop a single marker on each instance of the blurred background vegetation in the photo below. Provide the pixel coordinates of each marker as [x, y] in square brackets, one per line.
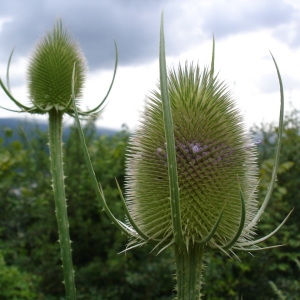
[30, 266]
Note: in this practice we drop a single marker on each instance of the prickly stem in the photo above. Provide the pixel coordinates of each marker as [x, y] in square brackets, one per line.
[189, 265]
[56, 159]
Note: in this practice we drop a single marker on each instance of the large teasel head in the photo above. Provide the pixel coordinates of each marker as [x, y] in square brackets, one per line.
[192, 174]
[215, 157]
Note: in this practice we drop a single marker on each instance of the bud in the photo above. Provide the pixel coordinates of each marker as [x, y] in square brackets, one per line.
[216, 163]
[51, 68]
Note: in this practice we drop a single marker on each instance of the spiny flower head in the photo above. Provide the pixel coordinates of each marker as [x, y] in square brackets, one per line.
[56, 75]
[50, 72]
[216, 163]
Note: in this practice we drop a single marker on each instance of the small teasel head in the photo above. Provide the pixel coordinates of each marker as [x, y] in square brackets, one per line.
[56, 75]
[216, 163]
[50, 74]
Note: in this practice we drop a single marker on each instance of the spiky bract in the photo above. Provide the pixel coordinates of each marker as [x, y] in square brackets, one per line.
[51, 68]
[215, 163]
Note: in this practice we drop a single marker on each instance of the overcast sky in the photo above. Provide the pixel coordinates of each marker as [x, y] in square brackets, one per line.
[245, 31]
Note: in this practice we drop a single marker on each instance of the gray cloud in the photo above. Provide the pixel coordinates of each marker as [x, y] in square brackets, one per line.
[232, 17]
[134, 24]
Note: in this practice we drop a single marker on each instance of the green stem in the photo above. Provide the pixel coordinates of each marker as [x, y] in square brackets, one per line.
[56, 158]
[189, 266]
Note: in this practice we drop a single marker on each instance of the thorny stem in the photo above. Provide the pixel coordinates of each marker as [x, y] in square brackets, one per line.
[56, 162]
[189, 265]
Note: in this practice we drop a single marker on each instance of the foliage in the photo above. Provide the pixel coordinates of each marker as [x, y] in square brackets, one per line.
[28, 235]
[287, 196]
[15, 284]
[28, 230]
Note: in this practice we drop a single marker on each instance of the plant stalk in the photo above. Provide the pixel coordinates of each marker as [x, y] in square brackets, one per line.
[189, 266]
[56, 162]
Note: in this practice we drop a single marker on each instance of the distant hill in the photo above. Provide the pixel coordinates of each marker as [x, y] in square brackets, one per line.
[15, 124]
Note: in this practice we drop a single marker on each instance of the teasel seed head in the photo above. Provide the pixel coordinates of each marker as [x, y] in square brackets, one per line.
[216, 163]
[50, 72]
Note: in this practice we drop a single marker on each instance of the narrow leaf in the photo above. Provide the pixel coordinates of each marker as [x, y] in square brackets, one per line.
[170, 142]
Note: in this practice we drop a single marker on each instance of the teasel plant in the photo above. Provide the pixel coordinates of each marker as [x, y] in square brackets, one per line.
[53, 85]
[191, 173]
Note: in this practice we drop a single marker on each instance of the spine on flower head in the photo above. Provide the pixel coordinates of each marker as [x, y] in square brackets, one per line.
[216, 162]
[51, 68]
